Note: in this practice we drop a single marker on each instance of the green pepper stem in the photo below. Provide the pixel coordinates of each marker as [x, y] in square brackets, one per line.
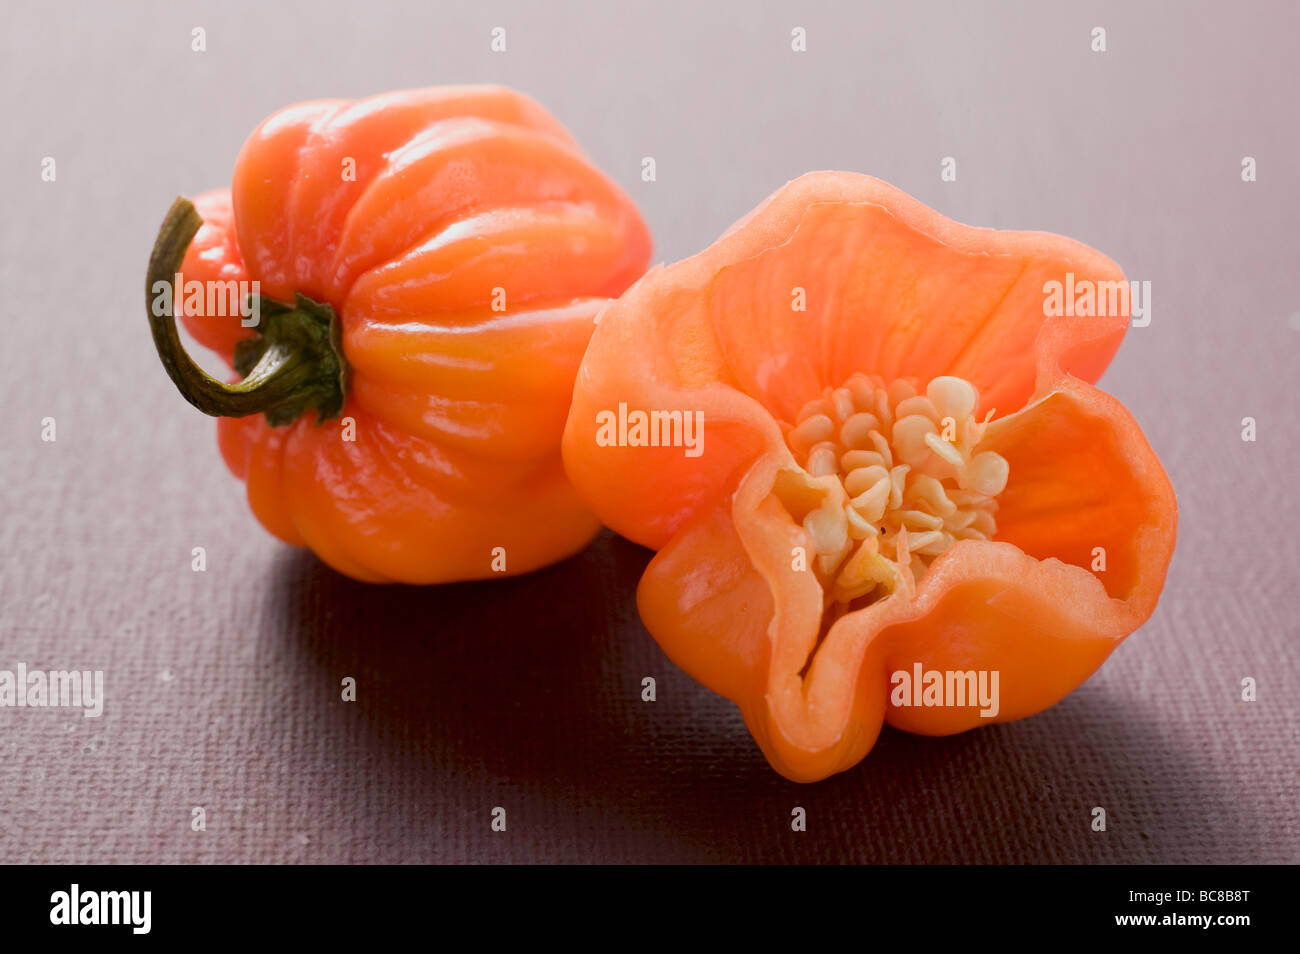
[296, 362]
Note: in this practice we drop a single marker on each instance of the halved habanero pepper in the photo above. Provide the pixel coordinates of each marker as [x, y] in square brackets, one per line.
[430, 262]
[900, 467]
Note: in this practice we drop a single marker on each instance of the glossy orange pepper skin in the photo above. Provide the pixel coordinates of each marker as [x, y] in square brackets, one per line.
[466, 244]
[896, 289]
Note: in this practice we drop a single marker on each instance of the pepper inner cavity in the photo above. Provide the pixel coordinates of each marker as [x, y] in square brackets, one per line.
[890, 478]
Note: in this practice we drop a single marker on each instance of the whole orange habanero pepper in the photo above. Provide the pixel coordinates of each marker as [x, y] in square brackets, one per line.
[429, 264]
[865, 443]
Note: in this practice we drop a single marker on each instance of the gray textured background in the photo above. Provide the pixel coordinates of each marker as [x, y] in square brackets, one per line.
[223, 686]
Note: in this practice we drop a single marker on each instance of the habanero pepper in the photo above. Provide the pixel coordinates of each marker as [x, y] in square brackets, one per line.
[430, 263]
[905, 468]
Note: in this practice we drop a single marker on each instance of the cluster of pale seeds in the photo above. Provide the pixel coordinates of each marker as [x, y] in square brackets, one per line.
[892, 478]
